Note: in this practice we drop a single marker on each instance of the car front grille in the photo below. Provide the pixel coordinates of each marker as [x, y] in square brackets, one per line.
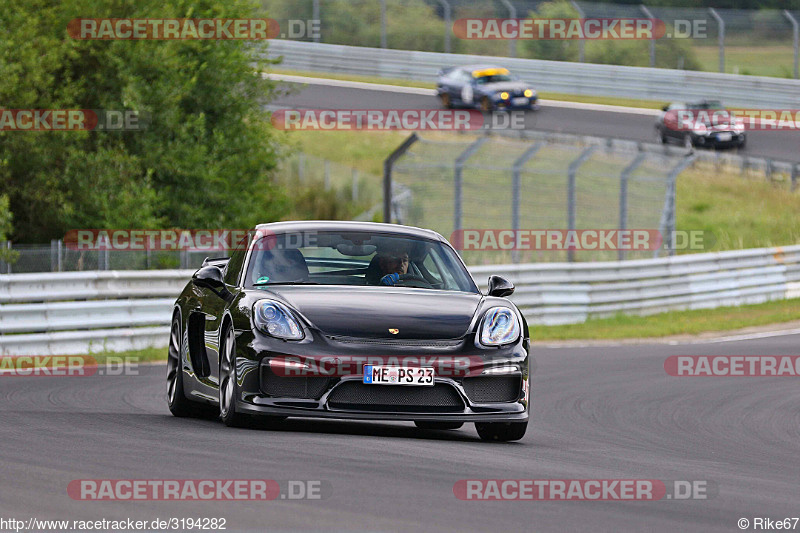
[489, 389]
[311, 388]
[399, 398]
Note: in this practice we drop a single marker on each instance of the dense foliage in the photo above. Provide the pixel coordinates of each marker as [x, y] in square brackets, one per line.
[206, 158]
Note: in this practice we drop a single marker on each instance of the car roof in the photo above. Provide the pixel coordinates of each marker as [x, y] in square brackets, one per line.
[350, 225]
[479, 66]
[471, 69]
[698, 104]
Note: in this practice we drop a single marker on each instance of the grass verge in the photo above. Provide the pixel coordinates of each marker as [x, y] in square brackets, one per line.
[763, 60]
[673, 322]
[739, 212]
[147, 355]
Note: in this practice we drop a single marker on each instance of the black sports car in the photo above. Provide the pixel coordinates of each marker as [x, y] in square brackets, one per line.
[349, 320]
[485, 87]
[703, 124]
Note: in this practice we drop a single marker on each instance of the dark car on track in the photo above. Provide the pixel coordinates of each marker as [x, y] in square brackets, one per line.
[703, 124]
[485, 87]
[349, 320]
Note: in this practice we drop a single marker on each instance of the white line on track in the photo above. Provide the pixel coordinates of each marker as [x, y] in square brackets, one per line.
[672, 341]
[431, 92]
[749, 336]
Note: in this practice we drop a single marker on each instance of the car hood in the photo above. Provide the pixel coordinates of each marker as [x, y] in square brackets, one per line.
[370, 312]
[505, 86]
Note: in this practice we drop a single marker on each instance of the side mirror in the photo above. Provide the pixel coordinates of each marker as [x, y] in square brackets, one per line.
[500, 287]
[209, 277]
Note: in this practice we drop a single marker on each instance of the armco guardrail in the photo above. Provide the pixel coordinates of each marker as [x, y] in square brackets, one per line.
[555, 76]
[121, 310]
[572, 292]
[86, 312]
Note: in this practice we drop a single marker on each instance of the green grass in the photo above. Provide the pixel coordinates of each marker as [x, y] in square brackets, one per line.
[775, 60]
[545, 95]
[741, 212]
[147, 355]
[673, 323]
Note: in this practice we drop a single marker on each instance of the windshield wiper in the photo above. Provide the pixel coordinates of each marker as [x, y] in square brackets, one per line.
[294, 282]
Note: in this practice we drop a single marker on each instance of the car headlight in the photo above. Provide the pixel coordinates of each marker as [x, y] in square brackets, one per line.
[275, 319]
[499, 326]
[528, 93]
[504, 95]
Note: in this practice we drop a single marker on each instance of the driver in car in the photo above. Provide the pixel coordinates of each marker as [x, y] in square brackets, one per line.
[393, 265]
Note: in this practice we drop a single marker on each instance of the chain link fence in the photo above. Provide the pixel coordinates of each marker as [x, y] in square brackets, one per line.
[301, 169]
[757, 42]
[541, 182]
[59, 257]
[295, 170]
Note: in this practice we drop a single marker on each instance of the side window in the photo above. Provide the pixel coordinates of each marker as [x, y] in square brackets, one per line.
[234, 266]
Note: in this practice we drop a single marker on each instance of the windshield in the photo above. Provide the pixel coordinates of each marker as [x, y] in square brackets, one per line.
[711, 104]
[493, 79]
[355, 258]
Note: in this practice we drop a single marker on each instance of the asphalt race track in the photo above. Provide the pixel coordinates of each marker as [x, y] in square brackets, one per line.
[599, 413]
[779, 145]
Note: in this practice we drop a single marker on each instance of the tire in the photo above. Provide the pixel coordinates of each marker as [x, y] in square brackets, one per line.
[687, 142]
[486, 105]
[660, 136]
[501, 431]
[446, 102]
[177, 402]
[227, 382]
[423, 424]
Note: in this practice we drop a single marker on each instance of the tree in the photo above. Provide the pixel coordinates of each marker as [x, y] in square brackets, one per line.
[206, 158]
[5, 229]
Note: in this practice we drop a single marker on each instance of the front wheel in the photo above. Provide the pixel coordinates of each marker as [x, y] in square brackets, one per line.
[176, 400]
[501, 431]
[227, 382]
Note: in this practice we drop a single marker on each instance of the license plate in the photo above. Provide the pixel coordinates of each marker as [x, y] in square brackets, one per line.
[519, 101]
[724, 137]
[397, 375]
